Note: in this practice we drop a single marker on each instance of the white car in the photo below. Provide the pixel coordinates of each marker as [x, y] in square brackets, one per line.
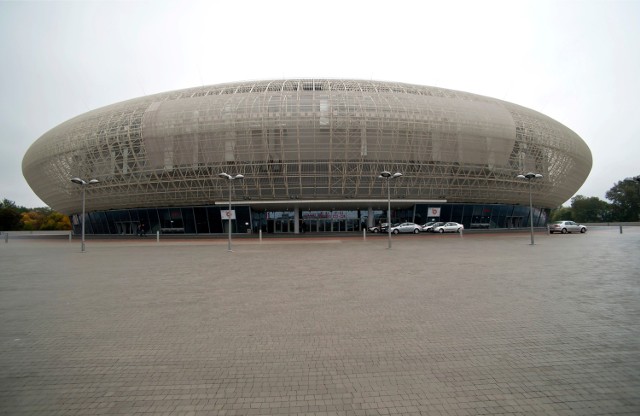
[448, 227]
[406, 227]
[566, 227]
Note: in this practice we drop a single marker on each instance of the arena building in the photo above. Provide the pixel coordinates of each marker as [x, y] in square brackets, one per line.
[311, 152]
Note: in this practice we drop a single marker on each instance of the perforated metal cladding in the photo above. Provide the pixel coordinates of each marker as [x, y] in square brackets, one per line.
[308, 139]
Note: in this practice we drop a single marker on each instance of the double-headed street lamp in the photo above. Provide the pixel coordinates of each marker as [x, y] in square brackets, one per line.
[388, 176]
[83, 184]
[230, 178]
[529, 176]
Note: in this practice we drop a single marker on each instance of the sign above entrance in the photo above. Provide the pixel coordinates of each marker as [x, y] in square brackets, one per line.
[434, 211]
[225, 214]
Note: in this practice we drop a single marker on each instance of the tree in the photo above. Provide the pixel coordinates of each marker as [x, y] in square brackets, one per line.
[590, 209]
[625, 200]
[56, 221]
[561, 214]
[44, 219]
[9, 216]
[15, 218]
[32, 220]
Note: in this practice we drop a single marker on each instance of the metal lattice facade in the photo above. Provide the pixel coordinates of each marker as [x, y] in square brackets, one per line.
[308, 139]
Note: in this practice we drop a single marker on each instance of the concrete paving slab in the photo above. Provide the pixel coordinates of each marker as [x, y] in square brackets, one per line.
[450, 325]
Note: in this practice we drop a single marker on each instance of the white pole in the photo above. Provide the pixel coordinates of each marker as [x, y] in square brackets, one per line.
[82, 218]
[157, 236]
[389, 210]
[531, 211]
[229, 217]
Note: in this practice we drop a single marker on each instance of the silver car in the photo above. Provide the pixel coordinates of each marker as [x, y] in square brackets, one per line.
[406, 227]
[566, 227]
[448, 227]
[428, 226]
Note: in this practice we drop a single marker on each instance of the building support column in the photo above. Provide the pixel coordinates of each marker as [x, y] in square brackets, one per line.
[370, 217]
[296, 220]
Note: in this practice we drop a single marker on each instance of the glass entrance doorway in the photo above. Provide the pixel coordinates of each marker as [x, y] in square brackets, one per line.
[126, 227]
[312, 221]
[514, 222]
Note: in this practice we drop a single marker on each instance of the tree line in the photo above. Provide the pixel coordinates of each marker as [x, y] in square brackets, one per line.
[18, 218]
[624, 207]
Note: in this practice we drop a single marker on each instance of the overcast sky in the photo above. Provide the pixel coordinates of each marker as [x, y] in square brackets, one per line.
[575, 61]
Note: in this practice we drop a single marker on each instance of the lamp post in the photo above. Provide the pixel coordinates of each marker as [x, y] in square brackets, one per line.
[529, 176]
[83, 184]
[230, 178]
[388, 176]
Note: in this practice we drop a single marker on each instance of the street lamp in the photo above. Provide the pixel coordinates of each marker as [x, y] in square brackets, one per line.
[388, 176]
[529, 176]
[83, 184]
[224, 175]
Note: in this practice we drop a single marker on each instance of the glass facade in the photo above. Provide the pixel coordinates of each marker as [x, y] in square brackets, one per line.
[208, 219]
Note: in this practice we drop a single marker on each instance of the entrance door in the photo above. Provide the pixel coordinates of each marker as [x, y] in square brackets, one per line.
[514, 222]
[126, 227]
[283, 226]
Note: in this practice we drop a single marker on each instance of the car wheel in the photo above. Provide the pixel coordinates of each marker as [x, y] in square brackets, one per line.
[564, 231]
[375, 230]
[416, 231]
[583, 230]
[441, 230]
[550, 232]
[396, 231]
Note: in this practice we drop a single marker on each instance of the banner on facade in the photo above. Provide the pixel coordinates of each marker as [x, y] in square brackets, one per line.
[225, 214]
[434, 211]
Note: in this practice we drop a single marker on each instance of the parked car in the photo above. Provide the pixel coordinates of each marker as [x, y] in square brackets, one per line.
[428, 226]
[378, 228]
[566, 227]
[449, 227]
[434, 225]
[406, 227]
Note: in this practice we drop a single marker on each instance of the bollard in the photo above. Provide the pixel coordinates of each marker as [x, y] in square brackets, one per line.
[70, 234]
[364, 234]
[260, 235]
[6, 237]
[621, 229]
[157, 236]
[461, 231]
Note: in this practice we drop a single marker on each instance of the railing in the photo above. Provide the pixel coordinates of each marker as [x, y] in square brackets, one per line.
[37, 233]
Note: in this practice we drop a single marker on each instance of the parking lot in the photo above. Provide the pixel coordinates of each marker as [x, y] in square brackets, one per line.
[438, 325]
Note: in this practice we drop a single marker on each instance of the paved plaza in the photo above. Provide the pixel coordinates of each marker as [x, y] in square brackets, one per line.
[438, 325]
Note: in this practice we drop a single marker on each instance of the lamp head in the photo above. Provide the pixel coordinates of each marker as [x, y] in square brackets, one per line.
[388, 175]
[530, 175]
[238, 176]
[224, 175]
[78, 181]
[93, 181]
